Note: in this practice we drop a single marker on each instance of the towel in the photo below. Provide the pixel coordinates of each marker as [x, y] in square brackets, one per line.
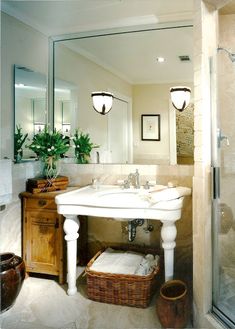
[148, 264]
[121, 262]
[164, 193]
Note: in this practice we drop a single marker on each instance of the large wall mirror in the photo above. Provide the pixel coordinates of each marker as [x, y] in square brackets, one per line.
[127, 65]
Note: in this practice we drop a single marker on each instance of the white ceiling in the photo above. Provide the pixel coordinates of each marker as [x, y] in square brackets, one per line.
[134, 58]
[59, 17]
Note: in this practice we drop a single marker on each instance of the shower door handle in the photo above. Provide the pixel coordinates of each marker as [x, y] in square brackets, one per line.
[216, 182]
[221, 137]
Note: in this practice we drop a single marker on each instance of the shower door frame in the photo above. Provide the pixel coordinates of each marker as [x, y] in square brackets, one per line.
[216, 177]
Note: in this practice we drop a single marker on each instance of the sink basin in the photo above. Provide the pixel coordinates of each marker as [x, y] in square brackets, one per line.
[121, 198]
[113, 201]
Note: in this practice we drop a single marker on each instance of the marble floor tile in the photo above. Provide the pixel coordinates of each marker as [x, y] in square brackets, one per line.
[44, 304]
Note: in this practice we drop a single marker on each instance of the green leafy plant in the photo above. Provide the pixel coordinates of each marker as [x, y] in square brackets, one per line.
[19, 140]
[49, 144]
[83, 146]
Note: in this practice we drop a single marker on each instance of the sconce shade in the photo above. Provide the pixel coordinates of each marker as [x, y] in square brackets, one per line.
[180, 97]
[102, 101]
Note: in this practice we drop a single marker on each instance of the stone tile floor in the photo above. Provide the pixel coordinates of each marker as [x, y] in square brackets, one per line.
[44, 304]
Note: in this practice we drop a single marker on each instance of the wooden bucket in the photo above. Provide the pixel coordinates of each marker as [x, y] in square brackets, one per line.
[173, 304]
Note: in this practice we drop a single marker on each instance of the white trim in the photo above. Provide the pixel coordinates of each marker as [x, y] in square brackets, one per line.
[122, 29]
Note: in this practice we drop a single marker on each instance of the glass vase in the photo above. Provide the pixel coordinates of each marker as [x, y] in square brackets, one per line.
[18, 156]
[50, 167]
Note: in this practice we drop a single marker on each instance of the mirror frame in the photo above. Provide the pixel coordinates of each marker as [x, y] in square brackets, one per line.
[103, 32]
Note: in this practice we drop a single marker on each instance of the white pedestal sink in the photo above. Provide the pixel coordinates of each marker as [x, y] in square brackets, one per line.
[112, 201]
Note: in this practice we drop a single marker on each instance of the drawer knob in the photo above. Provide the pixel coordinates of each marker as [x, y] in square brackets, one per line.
[42, 203]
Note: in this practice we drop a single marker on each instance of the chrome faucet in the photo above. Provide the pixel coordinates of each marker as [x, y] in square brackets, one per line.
[134, 179]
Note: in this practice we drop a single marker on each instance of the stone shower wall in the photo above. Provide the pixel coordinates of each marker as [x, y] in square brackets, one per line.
[184, 131]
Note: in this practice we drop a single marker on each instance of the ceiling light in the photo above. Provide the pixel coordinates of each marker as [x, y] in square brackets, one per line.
[160, 59]
[180, 97]
[102, 101]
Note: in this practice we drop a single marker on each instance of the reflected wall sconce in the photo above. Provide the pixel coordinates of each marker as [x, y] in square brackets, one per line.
[102, 101]
[66, 127]
[38, 127]
[180, 97]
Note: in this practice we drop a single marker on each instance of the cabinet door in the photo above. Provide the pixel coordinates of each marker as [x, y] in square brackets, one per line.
[42, 242]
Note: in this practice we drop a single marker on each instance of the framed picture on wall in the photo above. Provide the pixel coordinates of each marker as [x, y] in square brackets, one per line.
[150, 127]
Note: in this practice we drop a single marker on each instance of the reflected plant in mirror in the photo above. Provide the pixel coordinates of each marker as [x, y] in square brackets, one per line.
[82, 146]
[19, 140]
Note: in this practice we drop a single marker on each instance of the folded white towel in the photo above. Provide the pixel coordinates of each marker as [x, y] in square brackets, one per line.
[120, 262]
[164, 193]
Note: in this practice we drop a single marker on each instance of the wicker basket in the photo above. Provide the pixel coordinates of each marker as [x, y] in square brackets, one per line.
[130, 290]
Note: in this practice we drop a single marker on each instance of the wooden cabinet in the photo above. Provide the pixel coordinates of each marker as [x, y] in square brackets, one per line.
[43, 236]
[44, 247]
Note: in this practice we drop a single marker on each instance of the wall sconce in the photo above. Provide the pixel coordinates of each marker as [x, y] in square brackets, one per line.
[102, 101]
[38, 127]
[180, 97]
[66, 127]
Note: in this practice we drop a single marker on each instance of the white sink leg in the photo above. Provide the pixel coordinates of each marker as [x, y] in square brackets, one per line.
[168, 235]
[71, 226]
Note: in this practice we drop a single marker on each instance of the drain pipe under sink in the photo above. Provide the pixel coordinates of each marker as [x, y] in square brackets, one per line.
[132, 224]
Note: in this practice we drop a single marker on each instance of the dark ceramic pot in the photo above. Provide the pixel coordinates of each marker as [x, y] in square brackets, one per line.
[12, 274]
[173, 304]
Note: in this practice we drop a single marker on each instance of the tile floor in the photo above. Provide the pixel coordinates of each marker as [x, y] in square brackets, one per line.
[44, 304]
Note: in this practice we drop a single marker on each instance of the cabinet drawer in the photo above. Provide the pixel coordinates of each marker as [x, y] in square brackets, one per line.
[40, 203]
[43, 218]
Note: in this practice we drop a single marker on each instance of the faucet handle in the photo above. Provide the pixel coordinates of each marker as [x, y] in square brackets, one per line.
[95, 183]
[126, 184]
[147, 185]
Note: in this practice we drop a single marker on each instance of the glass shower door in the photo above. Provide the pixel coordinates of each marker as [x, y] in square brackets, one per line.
[223, 160]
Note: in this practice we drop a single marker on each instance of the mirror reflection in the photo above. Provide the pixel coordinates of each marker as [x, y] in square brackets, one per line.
[30, 109]
[130, 66]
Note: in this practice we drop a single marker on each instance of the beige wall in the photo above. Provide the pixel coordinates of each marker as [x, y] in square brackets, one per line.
[152, 99]
[22, 45]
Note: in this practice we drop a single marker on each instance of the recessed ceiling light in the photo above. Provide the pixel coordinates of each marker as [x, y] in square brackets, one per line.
[160, 59]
